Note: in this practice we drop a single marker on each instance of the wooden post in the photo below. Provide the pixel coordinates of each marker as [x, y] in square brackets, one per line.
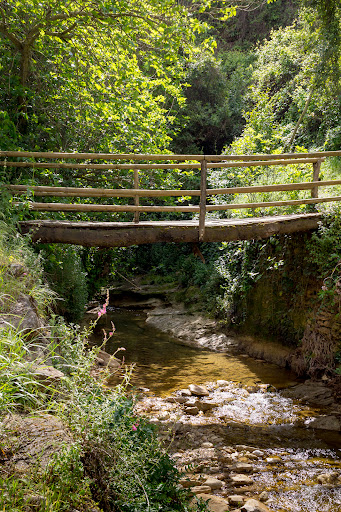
[316, 177]
[136, 198]
[203, 186]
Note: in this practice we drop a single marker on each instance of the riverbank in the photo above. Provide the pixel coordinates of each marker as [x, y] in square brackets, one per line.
[193, 328]
[250, 447]
[67, 441]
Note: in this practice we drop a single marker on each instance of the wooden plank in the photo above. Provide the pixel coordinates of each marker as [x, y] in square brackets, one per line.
[99, 167]
[40, 191]
[136, 196]
[236, 206]
[98, 156]
[66, 207]
[103, 167]
[316, 176]
[107, 234]
[262, 163]
[202, 214]
[133, 156]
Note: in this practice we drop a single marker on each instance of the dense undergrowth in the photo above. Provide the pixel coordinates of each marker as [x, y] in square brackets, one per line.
[112, 460]
[268, 288]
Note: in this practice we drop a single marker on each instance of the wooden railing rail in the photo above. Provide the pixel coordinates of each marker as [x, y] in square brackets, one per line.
[202, 162]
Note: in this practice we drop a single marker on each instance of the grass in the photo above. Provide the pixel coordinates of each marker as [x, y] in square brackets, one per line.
[113, 461]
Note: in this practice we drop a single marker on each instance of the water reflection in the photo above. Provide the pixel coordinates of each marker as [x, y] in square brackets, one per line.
[163, 365]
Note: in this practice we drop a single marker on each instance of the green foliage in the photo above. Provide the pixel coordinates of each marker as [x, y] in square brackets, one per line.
[91, 75]
[325, 251]
[214, 103]
[66, 275]
[20, 272]
[286, 71]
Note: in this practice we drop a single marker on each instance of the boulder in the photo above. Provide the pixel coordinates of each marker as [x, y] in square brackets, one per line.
[236, 500]
[263, 496]
[214, 483]
[240, 480]
[328, 478]
[188, 482]
[253, 505]
[222, 383]
[24, 316]
[201, 489]
[108, 360]
[215, 503]
[36, 440]
[192, 411]
[185, 392]
[176, 399]
[243, 467]
[198, 390]
[207, 444]
[205, 406]
[324, 423]
[47, 374]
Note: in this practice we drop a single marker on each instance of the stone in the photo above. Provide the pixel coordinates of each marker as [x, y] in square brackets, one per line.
[185, 392]
[47, 374]
[236, 499]
[201, 489]
[325, 423]
[240, 480]
[35, 501]
[264, 496]
[328, 478]
[222, 383]
[215, 503]
[205, 406]
[192, 411]
[188, 482]
[312, 392]
[39, 438]
[273, 460]
[198, 390]
[163, 415]
[24, 316]
[109, 360]
[214, 483]
[207, 444]
[176, 399]
[193, 330]
[243, 467]
[259, 453]
[253, 505]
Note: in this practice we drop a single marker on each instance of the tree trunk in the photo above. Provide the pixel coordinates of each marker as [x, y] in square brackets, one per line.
[292, 138]
[22, 98]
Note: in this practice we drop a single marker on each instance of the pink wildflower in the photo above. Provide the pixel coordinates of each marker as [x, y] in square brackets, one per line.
[134, 427]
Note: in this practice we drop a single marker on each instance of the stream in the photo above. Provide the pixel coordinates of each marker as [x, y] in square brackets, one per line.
[247, 425]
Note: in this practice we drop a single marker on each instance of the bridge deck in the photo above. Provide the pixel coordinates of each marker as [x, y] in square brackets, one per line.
[122, 234]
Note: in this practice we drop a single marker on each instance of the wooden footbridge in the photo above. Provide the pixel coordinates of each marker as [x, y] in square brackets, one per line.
[96, 167]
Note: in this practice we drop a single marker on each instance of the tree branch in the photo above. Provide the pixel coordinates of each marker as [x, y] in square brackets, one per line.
[62, 35]
[4, 30]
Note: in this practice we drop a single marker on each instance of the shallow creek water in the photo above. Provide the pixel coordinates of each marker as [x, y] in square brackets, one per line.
[247, 417]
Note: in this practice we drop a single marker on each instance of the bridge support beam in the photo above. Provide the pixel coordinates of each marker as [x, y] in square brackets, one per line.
[123, 234]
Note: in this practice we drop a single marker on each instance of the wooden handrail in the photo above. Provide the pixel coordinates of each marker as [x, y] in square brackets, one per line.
[131, 167]
[183, 162]
[41, 191]
[133, 156]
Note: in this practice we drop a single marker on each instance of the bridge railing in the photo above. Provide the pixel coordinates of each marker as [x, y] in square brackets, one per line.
[183, 162]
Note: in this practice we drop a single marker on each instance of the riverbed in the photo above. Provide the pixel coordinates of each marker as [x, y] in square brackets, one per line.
[250, 419]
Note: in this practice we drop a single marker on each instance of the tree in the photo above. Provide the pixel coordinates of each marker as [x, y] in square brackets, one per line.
[119, 65]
